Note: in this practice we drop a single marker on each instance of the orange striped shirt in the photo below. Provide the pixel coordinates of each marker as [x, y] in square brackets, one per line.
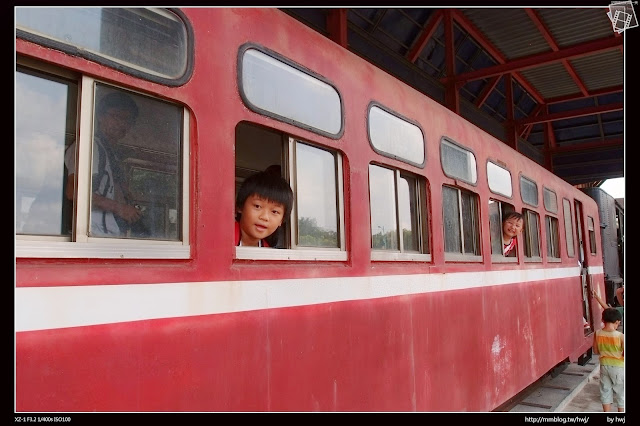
[611, 347]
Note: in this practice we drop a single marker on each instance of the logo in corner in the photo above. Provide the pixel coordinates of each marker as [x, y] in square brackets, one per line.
[622, 16]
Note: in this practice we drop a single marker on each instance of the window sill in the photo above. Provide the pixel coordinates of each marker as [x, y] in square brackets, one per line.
[111, 249]
[257, 253]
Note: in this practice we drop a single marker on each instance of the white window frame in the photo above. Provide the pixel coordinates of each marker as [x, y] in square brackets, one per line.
[298, 252]
[422, 222]
[80, 245]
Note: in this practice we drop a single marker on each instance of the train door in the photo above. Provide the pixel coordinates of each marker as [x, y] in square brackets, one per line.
[582, 260]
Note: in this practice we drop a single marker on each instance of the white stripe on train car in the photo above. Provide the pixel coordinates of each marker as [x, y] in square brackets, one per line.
[42, 308]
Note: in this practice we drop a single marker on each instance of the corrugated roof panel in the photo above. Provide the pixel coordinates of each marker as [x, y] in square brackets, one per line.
[510, 30]
[551, 80]
[572, 26]
[601, 71]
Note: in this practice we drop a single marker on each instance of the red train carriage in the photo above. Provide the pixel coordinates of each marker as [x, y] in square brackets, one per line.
[389, 283]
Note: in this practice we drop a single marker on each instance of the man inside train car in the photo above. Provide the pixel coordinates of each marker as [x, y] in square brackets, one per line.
[111, 213]
[512, 223]
[263, 203]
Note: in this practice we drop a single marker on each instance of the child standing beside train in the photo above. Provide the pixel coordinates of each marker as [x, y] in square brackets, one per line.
[609, 344]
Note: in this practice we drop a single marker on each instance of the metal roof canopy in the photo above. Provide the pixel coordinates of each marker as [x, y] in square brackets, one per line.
[546, 81]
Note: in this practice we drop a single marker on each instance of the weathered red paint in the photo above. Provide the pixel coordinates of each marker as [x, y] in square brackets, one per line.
[404, 353]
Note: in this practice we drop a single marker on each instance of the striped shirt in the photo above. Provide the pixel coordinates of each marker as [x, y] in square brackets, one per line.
[611, 347]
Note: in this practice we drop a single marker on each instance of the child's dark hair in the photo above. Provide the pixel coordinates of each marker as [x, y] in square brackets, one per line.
[269, 186]
[512, 214]
[611, 315]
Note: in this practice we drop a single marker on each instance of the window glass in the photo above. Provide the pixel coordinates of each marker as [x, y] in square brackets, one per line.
[528, 191]
[461, 225]
[531, 234]
[152, 40]
[592, 234]
[407, 208]
[553, 239]
[383, 208]
[136, 163]
[457, 162]
[451, 216]
[396, 137]
[392, 191]
[568, 227]
[316, 197]
[499, 179]
[122, 179]
[45, 126]
[550, 200]
[292, 95]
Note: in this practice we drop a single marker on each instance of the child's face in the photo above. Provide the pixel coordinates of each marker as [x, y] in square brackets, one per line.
[512, 227]
[260, 218]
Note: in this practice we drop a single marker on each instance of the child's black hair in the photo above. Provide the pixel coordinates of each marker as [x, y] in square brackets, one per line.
[511, 214]
[269, 186]
[611, 315]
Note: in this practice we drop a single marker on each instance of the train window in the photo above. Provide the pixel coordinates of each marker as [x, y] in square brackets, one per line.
[395, 136]
[592, 234]
[461, 224]
[499, 179]
[497, 210]
[553, 237]
[152, 43]
[124, 181]
[528, 191]
[274, 86]
[531, 235]
[315, 229]
[568, 227]
[458, 162]
[398, 215]
[550, 200]
[45, 126]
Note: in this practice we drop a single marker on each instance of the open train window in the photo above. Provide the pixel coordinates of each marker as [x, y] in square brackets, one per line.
[461, 221]
[497, 211]
[531, 235]
[315, 228]
[397, 203]
[592, 234]
[568, 227]
[121, 178]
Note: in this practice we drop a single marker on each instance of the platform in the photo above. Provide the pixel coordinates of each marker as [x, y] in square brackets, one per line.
[574, 389]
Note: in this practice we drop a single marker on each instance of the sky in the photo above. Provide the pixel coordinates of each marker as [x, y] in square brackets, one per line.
[614, 187]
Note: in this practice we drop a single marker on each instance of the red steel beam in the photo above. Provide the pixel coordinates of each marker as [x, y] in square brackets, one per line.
[588, 146]
[571, 114]
[469, 27]
[337, 26]
[537, 21]
[451, 93]
[488, 88]
[599, 92]
[425, 36]
[533, 61]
